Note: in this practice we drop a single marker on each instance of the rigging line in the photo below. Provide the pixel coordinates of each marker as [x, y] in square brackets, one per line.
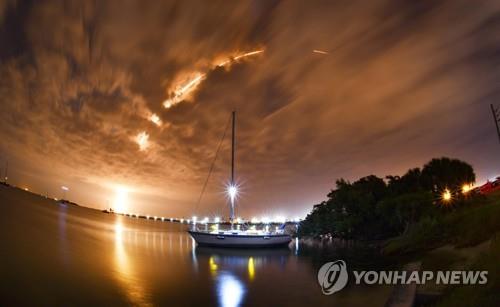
[213, 164]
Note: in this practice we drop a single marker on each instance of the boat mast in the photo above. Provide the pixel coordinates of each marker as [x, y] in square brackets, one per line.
[231, 218]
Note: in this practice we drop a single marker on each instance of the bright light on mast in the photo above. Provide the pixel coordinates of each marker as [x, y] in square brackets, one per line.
[232, 191]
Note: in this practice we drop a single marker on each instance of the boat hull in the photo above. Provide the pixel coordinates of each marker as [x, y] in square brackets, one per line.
[240, 241]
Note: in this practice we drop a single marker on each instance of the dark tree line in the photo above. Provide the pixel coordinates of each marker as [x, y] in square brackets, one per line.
[374, 208]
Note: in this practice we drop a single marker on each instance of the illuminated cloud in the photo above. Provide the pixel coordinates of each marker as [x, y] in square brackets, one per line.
[402, 82]
[142, 140]
[155, 119]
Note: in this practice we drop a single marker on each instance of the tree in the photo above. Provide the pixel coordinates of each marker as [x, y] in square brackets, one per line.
[353, 207]
[409, 182]
[402, 211]
[446, 173]
[318, 222]
[371, 209]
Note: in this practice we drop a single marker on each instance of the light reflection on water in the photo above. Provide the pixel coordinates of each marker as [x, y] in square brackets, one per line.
[62, 234]
[251, 269]
[114, 260]
[124, 270]
[233, 270]
[230, 290]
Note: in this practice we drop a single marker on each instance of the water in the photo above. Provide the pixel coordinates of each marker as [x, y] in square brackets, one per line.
[55, 255]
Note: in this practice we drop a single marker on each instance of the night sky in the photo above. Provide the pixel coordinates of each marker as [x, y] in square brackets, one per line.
[129, 99]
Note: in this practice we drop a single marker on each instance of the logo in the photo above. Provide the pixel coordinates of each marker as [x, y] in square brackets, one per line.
[332, 276]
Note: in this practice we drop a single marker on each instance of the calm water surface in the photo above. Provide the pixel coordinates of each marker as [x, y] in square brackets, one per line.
[56, 255]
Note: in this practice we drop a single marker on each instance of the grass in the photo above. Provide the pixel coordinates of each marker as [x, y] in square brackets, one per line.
[475, 222]
[467, 238]
[478, 295]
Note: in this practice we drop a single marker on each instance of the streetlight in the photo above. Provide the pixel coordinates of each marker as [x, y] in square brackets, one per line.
[446, 195]
[466, 188]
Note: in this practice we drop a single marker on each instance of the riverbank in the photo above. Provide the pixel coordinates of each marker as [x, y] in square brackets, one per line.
[466, 239]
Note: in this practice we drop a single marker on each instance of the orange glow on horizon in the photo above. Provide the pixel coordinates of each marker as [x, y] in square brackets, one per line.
[120, 203]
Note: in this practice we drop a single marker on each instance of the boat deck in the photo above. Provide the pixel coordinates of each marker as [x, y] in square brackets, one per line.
[239, 239]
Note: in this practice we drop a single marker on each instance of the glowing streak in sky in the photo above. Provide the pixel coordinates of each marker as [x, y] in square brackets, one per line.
[248, 54]
[155, 119]
[183, 91]
[320, 51]
[241, 56]
[142, 140]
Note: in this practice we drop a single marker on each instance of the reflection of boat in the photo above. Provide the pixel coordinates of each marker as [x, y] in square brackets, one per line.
[233, 269]
[243, 253]
[238, 259]
[238, 238]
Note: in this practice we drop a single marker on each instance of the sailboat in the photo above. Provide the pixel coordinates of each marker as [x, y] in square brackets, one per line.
[236, 237]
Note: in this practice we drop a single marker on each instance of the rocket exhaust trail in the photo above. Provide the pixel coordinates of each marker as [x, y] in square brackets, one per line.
[320, 51]
[248, 54]
[183, 91]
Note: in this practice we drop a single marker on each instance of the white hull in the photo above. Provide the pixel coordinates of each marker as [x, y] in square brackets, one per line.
[240, 240]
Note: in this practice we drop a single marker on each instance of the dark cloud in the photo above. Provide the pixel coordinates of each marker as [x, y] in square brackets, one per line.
[402, 82]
